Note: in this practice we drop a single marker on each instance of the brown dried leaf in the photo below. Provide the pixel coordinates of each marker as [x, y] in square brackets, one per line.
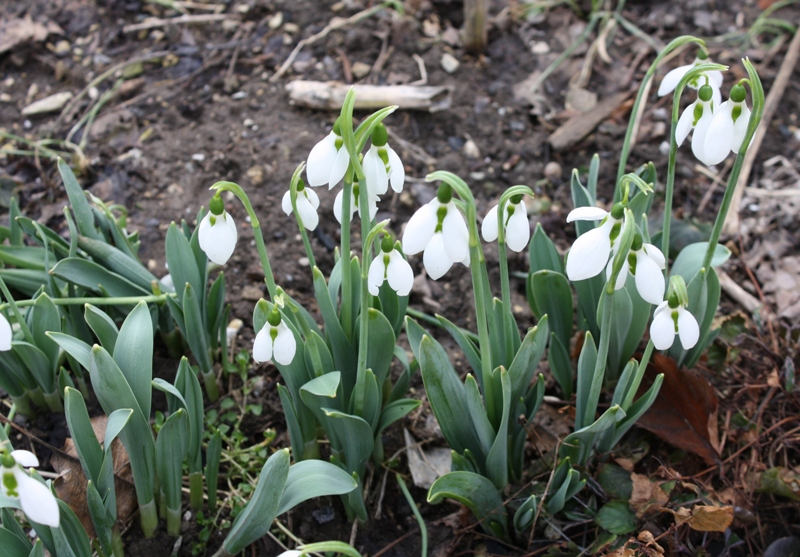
[684, 413]
[646, 495]
[623, 551]
[650, 542]
[14, 32]
[706, 518]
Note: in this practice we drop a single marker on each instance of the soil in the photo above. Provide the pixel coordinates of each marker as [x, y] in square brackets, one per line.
[209, 111]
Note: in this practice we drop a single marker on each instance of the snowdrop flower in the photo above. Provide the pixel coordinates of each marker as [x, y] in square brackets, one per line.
[516, 227]
[5, 334]
[645, 262]
[217, 232]
[438, 228]
[589, 254]
[307, 205]
[372, 201]
[291, 553]
[36, 500]
[390, 266]
[328, 160]
[673, 77]
[275, 340]
[697, 116]
[727, 128]
[670, 318]
[382, 165]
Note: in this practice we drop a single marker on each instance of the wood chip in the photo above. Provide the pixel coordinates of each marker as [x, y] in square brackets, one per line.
[581, 125]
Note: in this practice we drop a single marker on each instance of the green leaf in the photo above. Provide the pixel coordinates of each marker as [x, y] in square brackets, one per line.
[118, 262]
[90, 275]
[396, 410]
[256, 518]
[318, 357]
[553, 297]
[80, 428]
[102, 326]
[44, 317]
[690, 259]
[196, 331]
[542, 253]
[586, 365]
[381, 337]
[38, 550]
[478, 494]
[615, 481]
[171, 447]
[560, 366]
[74, 347]
[448, 398]
[133, 353]
[344, 355]
[497, 459]
[323, 392]
[353, 435]
[99, 516]
[525, 362]
[77, 198]
[25, 257]
[477, 411]
[12, 545]
[314, 478]
[182, 263]
[37, 364]
[467, 346]
[213, 455]
[616, 517]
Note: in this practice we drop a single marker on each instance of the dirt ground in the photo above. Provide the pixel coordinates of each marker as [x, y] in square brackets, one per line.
[204, 106]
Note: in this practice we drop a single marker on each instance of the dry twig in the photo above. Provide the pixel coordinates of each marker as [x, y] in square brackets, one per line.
[154, 23]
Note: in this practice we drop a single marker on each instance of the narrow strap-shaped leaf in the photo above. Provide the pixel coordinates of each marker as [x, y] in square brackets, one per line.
[80, 428]
[355, 437]
[477, 412]
[102, 326]
[478, 494]
[90, 275]
[133, 353]
[197, 334]
[396, 410]
[77, 199]
[471, 352]
[526, 360]
[381, 337]
[117, 261]
[314, 478]
[344, 355]
[180, 258]
[497, 459]
[74, 347]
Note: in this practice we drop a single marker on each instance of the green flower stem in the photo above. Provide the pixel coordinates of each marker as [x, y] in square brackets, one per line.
[119, 301]
[174, 521]
[293, 196]
[148, 517]
[117, 547]
[196, 490]
[640, 98]
[347, 280]
[477, 264]
[15, 310]
[237, 190]
[673, 152]
[630, 393]
[53, 401]
[505, 287]
[423, 530]
[757, 91]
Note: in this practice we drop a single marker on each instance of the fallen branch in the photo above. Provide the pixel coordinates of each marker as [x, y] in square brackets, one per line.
[154, 23]
[732, 221]
[323, 95]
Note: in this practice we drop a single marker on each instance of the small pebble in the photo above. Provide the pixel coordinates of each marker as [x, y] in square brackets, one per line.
[553, 171]
[471, 150]
[275, 21]
[62, 48]
[303, 262]
[199, 157]
[291, 28]
[27, 124]
[449, 63]
[239, 95]
[360, 69]
[248, 123]
[540, 47]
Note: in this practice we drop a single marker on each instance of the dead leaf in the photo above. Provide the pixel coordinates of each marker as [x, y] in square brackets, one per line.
[14, 32]
[646, 495]
[426, 465]
[71, 481]
[682, 515]
[647, 538]
[684, 413]
[706, 518]
[623, 551]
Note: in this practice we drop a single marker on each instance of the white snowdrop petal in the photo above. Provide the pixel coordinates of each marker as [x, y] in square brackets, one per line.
[456, 234]
[662, 330]
[5, 334]
[377, 270]
[291, 553]
[26, 459]
[375, 172]
[688, 329]
[672, 79]
[420, 228]
[285, 345]
[518, 229]
[37, 501]
[586, 213]
[699, 136]
[262, 346]
[399, 274]
[716, 95]
[655, 254]
[203, 230]
[435, 257]
[684, 124]
[649, 279]
[220, 239]
[589, 254]
[740, 129]
[313, 198]
[715, 78]
[286, 202]
[717, 142]
[339, 167]
[661, 307]
[397, 172]
[308, 215]
[320, 161]
[489, 225]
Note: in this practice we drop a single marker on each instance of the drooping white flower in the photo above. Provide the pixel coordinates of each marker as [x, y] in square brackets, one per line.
[669, 319]
[275, 340]
[589, 254]
[697, 116]
[37, 501]
[338, 202]
[307, 205]
[5, 334]
[328, 160]
[439, 229]
[390, 266]
[516, 226]
[673, 77]
[382, 165]
[645, 262]
[217, 232]
[291, 553]
[727, 128]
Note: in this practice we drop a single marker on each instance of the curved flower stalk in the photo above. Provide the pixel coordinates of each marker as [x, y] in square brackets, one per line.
[515, 224]
[217, 232]
[439, 229]
[674, 76]
[355, 204]
[671, 318]
[328, 160]
[727, 128]
[697, 116]
[274, 340]
[392, 267]
[382, 165]
[5, 334]
[307, 203]
[36, 500]
[646, 263]
[589, 254]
